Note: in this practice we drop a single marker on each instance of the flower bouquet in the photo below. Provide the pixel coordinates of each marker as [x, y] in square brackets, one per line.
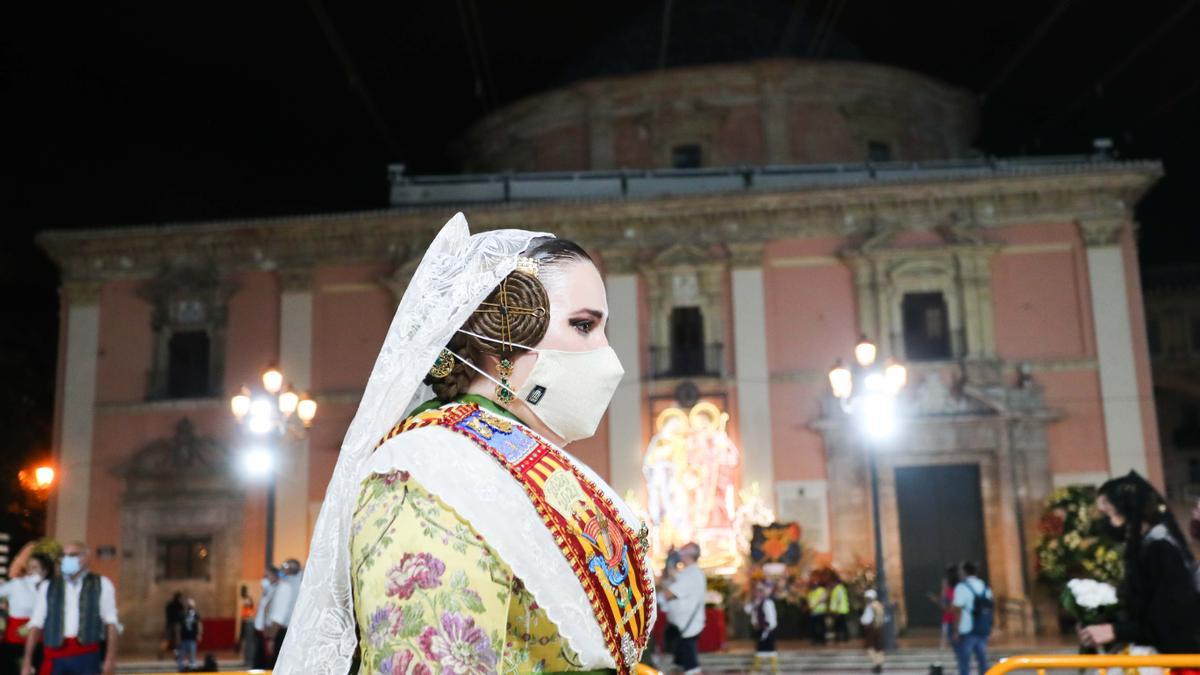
[1090, 601]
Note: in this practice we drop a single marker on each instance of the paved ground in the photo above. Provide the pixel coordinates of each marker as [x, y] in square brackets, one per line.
[915, 655]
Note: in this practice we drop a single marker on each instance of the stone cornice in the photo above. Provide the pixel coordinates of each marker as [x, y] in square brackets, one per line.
[1083, 194]
[1104, 230]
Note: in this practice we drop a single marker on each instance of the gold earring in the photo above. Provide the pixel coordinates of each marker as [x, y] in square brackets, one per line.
[444, 365]
[503, 392]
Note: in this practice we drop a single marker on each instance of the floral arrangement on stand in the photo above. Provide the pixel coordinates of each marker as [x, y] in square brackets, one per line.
[1072, 548]
[858, 579]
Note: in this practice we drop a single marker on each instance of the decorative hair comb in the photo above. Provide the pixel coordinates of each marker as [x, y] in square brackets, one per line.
[527, 266]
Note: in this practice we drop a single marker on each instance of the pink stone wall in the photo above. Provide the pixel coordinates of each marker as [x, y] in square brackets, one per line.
[351, 314]
[811, 321]
[1038, 289]
[126, 344]
[252, 331]
[740, 138]
[1077, 441]
[563, 149]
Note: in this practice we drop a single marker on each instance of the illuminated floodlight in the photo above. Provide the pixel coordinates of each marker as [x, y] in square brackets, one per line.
[257, 462]
[878, 415]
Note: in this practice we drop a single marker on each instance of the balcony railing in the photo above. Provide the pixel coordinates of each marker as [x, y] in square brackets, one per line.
[701, 361]
[409, 190]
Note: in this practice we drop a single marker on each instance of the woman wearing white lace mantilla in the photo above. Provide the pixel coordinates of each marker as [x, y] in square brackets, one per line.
[457, 536]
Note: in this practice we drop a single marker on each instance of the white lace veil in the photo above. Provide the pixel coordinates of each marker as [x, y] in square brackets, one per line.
[456, 274]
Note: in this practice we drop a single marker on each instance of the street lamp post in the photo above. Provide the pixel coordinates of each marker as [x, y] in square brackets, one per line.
[271, 413]
[869, 394]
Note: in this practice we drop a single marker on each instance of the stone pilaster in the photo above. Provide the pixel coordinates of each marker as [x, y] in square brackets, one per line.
[295, 359]
[78, 410]
[1113, 324]
[751, 371]
[625, 440]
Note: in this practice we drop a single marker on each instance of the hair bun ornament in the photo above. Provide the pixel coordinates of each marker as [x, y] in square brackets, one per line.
[515, 314]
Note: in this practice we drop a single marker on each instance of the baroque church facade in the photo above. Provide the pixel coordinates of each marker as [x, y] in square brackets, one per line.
[751, 221]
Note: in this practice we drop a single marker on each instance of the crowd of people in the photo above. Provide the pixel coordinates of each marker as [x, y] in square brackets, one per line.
[61, 617]
[262, 625]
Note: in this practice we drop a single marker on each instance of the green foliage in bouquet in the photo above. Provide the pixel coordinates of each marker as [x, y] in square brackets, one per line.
[1071, 544]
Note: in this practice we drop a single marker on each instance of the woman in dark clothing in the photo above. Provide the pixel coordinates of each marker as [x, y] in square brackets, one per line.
[1161, 608]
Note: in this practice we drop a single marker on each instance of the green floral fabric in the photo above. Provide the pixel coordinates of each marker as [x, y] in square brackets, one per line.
[432, 598]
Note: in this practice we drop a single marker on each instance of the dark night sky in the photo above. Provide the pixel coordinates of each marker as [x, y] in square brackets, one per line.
[126, 113]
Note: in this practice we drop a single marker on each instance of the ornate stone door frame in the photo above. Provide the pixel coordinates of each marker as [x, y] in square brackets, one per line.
[179, 487]
[1001, 430]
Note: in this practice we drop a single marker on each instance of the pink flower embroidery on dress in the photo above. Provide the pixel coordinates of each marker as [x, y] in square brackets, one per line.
[459, 646]
[413, 570]
[399, 664]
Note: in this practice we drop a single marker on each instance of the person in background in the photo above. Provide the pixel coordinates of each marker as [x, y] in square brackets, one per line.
[764, 620]
[682, 595]
[973, 618]
[1160, 604]
[279, 612]
[174, 614]
[818, 607]
[246, 612]
[75, 613]
[270, 582]
[945, 601]
[872, 620]
[29, 573]
[839, 608]
[191, 632]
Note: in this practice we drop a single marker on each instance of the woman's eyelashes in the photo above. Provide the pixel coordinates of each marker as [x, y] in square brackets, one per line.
[584, 326]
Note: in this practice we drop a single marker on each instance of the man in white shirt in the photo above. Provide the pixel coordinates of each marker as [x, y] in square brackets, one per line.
[971, 640]
[74, 614]
[270, 582]
[279, 608]
[682, 597]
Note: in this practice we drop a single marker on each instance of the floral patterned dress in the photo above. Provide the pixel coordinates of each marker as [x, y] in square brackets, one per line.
[432, 598]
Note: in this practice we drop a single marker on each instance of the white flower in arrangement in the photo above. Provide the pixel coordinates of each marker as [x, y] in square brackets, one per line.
[1092, 594]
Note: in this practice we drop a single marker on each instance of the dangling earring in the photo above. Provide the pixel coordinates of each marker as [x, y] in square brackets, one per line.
[504, 370]
[444, 365]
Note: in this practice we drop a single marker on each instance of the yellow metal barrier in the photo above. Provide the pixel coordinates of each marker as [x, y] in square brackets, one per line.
[640, 670]
[1099, 662]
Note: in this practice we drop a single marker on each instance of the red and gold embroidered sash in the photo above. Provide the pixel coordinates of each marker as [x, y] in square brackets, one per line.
[608, 558]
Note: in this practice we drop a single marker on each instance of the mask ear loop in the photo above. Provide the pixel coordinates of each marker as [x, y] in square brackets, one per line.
[499, 385]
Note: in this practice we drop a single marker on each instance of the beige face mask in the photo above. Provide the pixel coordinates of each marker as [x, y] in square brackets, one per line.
[568, 391]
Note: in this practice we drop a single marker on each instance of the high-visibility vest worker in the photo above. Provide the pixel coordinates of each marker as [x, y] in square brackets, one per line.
[839, 601]
[818, 600]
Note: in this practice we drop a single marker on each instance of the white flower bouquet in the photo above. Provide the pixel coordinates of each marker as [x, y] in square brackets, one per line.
[1090, 601]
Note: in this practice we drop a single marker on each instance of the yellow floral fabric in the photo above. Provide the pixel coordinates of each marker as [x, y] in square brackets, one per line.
[432, 598]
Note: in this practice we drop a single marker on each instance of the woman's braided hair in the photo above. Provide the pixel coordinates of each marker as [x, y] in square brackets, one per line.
[517, 312]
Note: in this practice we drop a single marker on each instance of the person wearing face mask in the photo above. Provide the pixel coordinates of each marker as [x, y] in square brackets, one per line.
[259, 657]
[29, 573]
[469, 539]
[1160, 606]
[75, 617]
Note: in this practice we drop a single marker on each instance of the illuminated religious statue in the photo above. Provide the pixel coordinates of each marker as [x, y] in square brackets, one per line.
[691, 467]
